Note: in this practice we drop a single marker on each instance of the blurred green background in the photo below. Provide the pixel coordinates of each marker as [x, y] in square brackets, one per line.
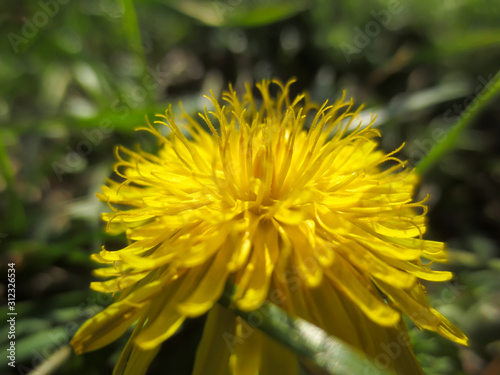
[78, 76]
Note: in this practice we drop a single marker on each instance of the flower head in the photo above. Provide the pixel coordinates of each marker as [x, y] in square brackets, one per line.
[279, 198]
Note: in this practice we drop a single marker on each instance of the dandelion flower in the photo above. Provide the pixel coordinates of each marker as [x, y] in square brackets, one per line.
[285, 200]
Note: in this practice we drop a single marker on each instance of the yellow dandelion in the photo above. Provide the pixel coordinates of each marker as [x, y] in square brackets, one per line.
[285, 200]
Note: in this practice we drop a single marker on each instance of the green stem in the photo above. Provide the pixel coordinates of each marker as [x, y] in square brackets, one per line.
[483, 99]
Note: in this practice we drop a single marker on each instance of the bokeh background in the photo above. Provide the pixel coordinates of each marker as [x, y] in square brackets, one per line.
[76, 78]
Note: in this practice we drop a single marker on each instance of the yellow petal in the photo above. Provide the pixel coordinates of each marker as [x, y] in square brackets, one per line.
[111, 323]
[161, 328]
[396, 228]
[164, 317]
[347, 280]
[430, 249]
[243, 244]
[134, 361]
[246, 357]
[210, 286]
[257, 275]
[415, 305]
[304, 239]
[371, 264]
[277, 359]
[212, 355]
[420, 271]
[118, 284]
[139, 361]
[386, 248]
[389, 347]
[104, 328]
[290, 217]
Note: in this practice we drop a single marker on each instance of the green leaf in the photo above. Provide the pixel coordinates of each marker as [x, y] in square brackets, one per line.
[131, 29]
[238, 13]
[468, 42]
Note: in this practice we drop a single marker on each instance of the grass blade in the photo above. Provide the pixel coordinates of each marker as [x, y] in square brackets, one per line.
[484, 98]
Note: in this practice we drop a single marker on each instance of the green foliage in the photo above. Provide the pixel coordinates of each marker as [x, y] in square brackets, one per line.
[238, 13]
